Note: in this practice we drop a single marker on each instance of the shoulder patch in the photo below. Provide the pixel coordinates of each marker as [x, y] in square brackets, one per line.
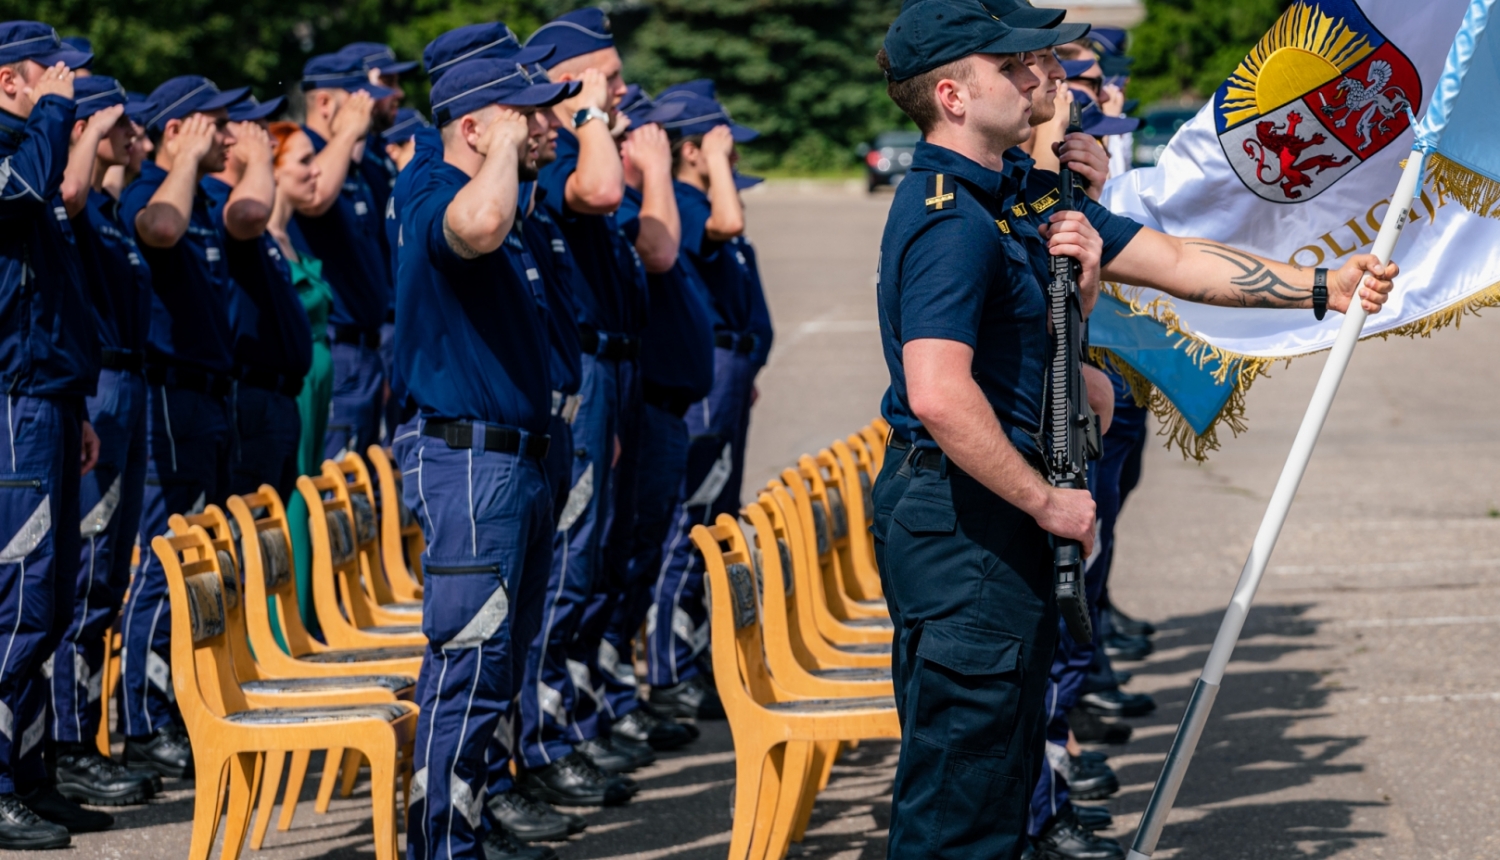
[940, 192]
[1004, 227]
[1048, 200]
[1018, 210]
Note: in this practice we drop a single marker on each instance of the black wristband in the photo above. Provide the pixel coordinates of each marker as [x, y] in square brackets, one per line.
[1320, 292]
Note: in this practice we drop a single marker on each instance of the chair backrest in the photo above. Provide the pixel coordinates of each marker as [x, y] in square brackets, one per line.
[401, 539]
[734, 632]
[225, 536]
[785, 650]
[202, 674]
[335, 552]
[359, 490]
[812, 541]
[875, 439]
[832, 553]
[270, 574]
[856, 482]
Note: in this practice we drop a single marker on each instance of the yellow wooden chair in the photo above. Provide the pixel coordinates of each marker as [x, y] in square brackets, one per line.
[401, 539]
[337, 568]
[777, 734]
[228, 735]
[839, 618]
[850, 465]
[861, 584]
[875, 439]
[379, 593]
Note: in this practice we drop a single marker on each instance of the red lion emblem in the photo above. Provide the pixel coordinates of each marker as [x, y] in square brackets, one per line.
[1286, 171]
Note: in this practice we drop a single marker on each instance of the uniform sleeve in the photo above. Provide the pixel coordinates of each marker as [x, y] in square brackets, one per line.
[30, 176]
[429, 209]
[694, 212]
[628, 217]
[554, 180]
[945, 274]
[1117, 231]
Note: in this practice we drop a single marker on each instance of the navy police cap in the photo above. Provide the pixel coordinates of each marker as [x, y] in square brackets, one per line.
[1020, 13]
[701, 115]
[33, 40]
[408, 120]
[95, 93]
[1094, 121]
[491, 41]
[642, 110]
[700, 87]
[933, 33]
[1108, 40]
[1074, 69]
[477, 83]
[582, 31]
[340, 72]
[135, 107]
[187, 94]
[377, 57]
[745, 180]
[252, 109]
[82, 45]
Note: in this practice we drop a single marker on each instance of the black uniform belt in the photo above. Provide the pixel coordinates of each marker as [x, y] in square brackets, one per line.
[369, 338]
[932, 458]
[742, 344]
[122, 359]
[190, 378]
[607, 345]
[479, 436]
[269, 380]
[667, 398]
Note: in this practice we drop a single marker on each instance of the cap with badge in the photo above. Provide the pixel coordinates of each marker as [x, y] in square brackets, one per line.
[408, 120]
[340, 71]
[701, 115]
[1020, 13]
[582, 31]
[187, 94]
[491, 41]
[933, 33]
[33, 40]
[1095, 122]
[477, 83]
[252, 109]
[376, 57]
[95, 93]
[1108, 40]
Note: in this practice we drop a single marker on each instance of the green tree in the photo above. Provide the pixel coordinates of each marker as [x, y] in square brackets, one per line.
[1187, 48]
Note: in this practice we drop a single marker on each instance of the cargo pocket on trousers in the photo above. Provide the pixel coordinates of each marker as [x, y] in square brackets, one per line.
[969, 688]
[926, 508]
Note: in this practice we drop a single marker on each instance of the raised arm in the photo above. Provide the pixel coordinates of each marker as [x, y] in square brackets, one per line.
[349, 127]
[726, 218]
[482, 212]
[597, 185]
[248, 210]
[660, 225]
[79, 174]
[165, 218]
[30, 175]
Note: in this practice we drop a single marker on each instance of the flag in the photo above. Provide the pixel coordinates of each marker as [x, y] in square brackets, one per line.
[1295, 159]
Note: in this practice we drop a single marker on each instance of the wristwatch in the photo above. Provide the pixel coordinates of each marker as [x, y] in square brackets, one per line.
[587, 114]
[1320, 292]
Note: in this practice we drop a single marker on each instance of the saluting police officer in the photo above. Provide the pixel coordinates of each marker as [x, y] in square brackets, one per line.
[472, 343]
[49, 364]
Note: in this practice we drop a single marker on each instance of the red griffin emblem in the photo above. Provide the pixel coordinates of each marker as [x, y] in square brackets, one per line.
[1285, 147]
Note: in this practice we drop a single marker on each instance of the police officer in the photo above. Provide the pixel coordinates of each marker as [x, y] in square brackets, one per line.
[713, 221]
[50, 364]
[119, 290]
[343, 227]
[189, 374]
[472, 343]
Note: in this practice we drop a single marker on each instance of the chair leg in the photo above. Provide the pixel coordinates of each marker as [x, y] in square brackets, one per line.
[822, 752]
[207, 797]
[242, 767]
[295, 776]
[352, 761]
[750, 761]
[270, 785]
[772, 783]
[332, 760]
[383, 799]
[796, 765]
[833, 756]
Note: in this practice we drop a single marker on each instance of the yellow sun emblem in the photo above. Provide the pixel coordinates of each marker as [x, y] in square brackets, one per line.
[1305, 50]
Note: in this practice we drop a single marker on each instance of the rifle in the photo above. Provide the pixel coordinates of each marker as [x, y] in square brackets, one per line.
[1068, 418]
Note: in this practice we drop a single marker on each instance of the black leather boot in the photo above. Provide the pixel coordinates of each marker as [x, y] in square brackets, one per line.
[85, 776]
[50, 805]
[168, 752]
[531, 820]
[573, 780]
[500, 845]
[24, 830]
[640, 726]
[1067, 840]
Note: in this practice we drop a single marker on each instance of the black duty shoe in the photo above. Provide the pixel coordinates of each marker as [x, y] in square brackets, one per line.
[640, 726]
[48, 804]
[1093, 757]
[529, 819]
[640, 753]
[168, 752]
[500, 845]
[664, 714]
[1093, 817]
[85, 776]
[574, 780]
[603, 753]
[1067, 840]
[1123, 623]
[1091, 780]
[1090, 729]
[24, 830]
[694, 698]
[1117, 703]
[1124, 647]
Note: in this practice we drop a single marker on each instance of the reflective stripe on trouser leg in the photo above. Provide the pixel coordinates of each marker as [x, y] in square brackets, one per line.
[110, 504]
[355, 411]
[38, 565]
[487, 518]
[192, 430]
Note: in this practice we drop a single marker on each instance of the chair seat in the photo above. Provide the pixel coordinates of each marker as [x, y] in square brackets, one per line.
[403, 607]
[853, 674]
[394, 683]
[325, 714]
[392, 629]
[866, 648]
[365, 655]
[877, 603]
[870, 623]
[833, 706]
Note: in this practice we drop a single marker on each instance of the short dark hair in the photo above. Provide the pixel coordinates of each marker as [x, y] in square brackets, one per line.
[694, 139]
[915, 94]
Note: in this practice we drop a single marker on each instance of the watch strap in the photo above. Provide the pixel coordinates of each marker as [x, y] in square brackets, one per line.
[1320, 293]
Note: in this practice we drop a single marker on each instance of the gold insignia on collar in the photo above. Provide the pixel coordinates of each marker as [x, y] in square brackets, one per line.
[1004, 227]
[1018, 210]
[938, 194]
[1052, 198]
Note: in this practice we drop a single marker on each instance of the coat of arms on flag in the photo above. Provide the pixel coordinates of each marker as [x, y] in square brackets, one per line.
[1322, 92]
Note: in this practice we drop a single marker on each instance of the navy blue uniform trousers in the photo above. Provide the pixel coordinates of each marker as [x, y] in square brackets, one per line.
[187, 468]
[110, 502]
[487, 518]
[968, 579]
[269, 429]
[358, 405]
[38, 571]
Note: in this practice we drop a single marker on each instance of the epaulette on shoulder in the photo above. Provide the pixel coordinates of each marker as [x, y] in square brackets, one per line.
[941, 192]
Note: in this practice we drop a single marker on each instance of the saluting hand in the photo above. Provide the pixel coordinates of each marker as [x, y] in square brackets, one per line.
[508, 130]
[718, 143]
[102, 121]
[194, 139]
[353, 116]
[649, 149]
[55, 81]
[595, 93]
[252, 144]
[1070, 234]
[1362, 272]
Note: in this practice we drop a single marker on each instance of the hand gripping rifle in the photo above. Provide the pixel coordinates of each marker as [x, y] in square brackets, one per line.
[1068, 420]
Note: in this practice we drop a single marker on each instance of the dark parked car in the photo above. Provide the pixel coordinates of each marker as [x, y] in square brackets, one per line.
[1158, 127]
[887, 160]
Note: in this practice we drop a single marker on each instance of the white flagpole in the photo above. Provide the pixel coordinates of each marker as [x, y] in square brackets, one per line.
[1207, 688]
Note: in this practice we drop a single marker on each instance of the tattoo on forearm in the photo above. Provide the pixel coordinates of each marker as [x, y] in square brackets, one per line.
[1257, 285]
[457, 243]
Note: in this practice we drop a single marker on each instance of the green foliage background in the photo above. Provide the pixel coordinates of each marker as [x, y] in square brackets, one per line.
[800, 71]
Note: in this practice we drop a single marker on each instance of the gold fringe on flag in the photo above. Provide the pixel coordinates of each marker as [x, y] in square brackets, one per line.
[1474, 191]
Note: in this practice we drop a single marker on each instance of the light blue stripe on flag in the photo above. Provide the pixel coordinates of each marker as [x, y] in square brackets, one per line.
[1462, 121]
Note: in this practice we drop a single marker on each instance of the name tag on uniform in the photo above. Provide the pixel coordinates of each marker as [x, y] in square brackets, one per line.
[60, 212]
[559, 246]
[211, 254]
[360, 208]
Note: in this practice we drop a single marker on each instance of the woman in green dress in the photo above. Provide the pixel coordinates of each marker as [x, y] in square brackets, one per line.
[296, 179]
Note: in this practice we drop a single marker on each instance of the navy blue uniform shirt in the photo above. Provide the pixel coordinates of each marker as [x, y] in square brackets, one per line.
[760, 312]
[348, 239]
[561, 279]
[429, 148]
[271, 331]
[1033, 204]
[190, 289]
[951, 269]
[471, 342]
[615, 300]
[48, 346]
[724, 267]
[677, 348]
[380, 173]
[118, 279]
